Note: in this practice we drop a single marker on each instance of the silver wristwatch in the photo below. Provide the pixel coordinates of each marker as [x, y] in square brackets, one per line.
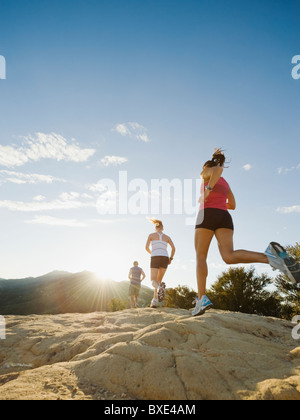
[208, 188]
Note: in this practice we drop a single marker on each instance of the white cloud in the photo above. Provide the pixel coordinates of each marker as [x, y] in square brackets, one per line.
[247, 167]
[69, 196]
[39, 198]
[113, 160]
[122, 129]
[287, 210]
[10, 156]
[134, 130]
[106, 221]
[65, 201]
[285, 171]
[96, 187]
[43, 146]
[21, 178]
[54, 221]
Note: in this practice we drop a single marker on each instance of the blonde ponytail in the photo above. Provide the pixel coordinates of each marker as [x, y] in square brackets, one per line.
[157, 223]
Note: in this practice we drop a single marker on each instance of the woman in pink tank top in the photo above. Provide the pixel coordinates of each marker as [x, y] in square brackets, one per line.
[214, 219]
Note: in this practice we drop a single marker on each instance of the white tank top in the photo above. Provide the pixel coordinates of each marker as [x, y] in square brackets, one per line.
[159, 247]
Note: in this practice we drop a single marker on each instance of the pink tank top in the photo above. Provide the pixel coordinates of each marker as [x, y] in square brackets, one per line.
[217, 199]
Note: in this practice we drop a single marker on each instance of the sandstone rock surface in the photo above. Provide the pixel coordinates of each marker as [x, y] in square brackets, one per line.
[148, 354]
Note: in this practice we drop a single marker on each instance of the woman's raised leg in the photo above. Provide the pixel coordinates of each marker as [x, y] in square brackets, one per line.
[241, 256]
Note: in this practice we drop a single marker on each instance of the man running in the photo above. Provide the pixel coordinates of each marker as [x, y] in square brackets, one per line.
[136, 276]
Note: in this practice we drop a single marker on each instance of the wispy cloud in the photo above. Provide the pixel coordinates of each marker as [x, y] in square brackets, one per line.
[74, 223]
[65, 201]
[247, 167]
[39, 198]
[96, 188]
[113, 160]
[284, 171]
[287, 210]
[54, 221]
[133, 130]
[21, 178]
[43, 146]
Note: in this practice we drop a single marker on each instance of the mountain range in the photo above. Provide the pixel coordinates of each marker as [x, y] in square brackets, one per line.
[62, 292]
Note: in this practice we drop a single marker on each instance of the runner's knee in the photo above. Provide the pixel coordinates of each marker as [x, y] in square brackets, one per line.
[228, 258]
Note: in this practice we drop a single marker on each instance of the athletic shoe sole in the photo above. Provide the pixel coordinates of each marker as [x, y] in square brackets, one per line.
[202, 312]
[292, 268]
[161, 293]
[154, 304]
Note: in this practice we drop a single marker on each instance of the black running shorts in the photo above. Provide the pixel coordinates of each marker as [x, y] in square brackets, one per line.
[159, 262]
[214, 219]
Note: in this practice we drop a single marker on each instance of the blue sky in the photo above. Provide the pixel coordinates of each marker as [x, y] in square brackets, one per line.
[148, 87]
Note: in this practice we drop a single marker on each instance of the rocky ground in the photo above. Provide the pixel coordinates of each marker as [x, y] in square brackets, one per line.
[148, 354]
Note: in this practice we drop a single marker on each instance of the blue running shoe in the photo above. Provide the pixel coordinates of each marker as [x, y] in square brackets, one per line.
[280, 260]
[202, 306]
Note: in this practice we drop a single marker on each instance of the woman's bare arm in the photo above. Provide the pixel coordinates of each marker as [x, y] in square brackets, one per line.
[231, 203]
[216, 173]
[215, 176]
[148, 244]
[170, 242]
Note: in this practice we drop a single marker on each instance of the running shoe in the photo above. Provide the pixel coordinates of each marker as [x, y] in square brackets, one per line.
[161, 292]
[202, 306]
[154, 303]
[280, 260]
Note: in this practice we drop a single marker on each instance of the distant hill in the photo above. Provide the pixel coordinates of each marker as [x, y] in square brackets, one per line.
[62, 292]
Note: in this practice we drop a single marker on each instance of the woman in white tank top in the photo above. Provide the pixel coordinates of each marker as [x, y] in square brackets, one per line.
[160, 259]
